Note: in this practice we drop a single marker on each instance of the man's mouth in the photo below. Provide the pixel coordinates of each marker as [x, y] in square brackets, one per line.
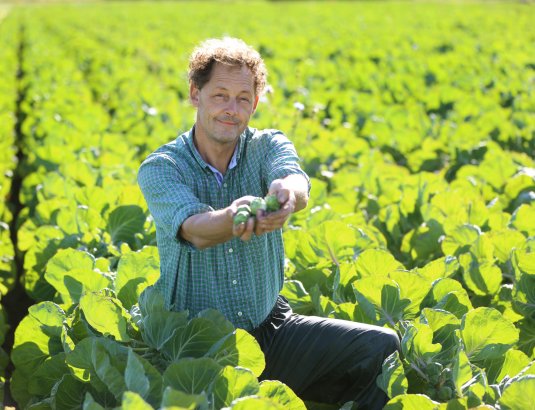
[228, 122]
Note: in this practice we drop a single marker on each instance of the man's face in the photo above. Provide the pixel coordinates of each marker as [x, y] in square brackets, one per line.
[224, 104]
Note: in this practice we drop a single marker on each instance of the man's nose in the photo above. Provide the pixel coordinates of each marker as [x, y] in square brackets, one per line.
[232, 107]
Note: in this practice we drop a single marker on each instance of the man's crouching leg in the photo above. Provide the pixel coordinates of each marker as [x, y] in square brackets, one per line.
[328, 360]
[383, 343]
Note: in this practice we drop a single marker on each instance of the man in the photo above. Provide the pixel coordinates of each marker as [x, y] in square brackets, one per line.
[193, 187]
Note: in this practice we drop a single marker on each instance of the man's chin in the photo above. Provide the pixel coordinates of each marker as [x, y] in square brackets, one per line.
[226, 138]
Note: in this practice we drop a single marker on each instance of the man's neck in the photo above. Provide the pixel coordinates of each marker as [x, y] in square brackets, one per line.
[215, 154]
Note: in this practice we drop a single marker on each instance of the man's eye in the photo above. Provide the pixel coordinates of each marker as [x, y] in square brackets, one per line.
[244, 99]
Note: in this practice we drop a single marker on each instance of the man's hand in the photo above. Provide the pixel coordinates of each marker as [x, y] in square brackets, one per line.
[244, 230]
[268, 222]
[292, 194]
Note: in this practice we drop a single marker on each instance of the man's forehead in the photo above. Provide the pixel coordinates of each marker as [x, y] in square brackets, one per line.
[222, 73]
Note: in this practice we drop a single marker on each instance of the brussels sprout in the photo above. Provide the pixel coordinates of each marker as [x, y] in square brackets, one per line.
[241, 217]
[258, 204]
[244, 208]
[430, 392]
[272, 203]
[433, 368]
[434, 379]
[444, 393]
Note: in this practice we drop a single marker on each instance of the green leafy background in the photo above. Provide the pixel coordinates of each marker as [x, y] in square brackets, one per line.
[415, 123]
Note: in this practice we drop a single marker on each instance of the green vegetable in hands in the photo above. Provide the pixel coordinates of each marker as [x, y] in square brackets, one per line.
[245, 208]
[272, 203]
[258, 204]
[241, 217]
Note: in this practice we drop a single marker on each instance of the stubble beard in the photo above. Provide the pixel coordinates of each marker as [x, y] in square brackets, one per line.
[226, 136]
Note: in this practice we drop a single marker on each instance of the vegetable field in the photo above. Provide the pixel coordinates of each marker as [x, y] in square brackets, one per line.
[416, 124]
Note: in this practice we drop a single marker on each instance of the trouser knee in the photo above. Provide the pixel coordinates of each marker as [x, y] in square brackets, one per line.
[391, 342]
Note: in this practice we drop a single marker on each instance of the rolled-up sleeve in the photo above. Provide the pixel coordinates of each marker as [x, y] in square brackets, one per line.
[169, 199]
[282, 159]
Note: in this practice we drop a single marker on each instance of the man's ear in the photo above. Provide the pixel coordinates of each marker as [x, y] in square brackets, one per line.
[255, 103]
[194, 95]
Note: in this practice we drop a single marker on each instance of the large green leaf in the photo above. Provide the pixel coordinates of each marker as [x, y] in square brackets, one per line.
[333, 240]
[481, 277]
[344, 275]
[380, 299]
[392, 379]
[192, 376]
[133, 401]
[461, 371]
[417, 344]
[192, 340]
[523, 219]
[135, 272]
[440, 268]
[448, 294]
[232, 383]
[504, 241]
[297, 297]
[89, 403]
[444, 324]
[239, 349]
[526, 342]
[281, 394]
[71, 272]
[37, 337]
[175, 398]
[82, 362]
[298, 248]
[460, 239]
[486, 334]
[124, 222]
[413, 287]
[524, 287]
[376, 262]
[257, 403]
[47, 374]
[158, 327]
[141, 377]
[422, 243]
[507, 366]
[105, 314]
[151, 301]
[411, 402]
[221, 325]
[68, 393]
[519, 394]
[109, 366]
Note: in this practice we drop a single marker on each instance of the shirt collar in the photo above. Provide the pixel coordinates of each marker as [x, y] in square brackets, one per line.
[233, 161]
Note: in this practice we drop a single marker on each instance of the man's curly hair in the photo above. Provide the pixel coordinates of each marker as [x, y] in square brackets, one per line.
[229, 51]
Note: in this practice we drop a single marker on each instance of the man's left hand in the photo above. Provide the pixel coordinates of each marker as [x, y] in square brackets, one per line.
[268, 222]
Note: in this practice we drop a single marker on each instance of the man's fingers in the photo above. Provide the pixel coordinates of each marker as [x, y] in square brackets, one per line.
[283, 195]
[273, 221]
[237, 230]
[248, 230]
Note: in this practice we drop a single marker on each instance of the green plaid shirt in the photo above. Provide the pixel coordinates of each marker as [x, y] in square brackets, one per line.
[240, 279]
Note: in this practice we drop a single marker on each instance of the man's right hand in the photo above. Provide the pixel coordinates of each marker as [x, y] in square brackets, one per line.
[245, 230]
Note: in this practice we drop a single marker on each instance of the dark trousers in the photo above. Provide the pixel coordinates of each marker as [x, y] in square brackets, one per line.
[325, 360]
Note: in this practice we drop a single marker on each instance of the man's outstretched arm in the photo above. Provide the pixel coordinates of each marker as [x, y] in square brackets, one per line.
[208, 229]
[212, 228]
